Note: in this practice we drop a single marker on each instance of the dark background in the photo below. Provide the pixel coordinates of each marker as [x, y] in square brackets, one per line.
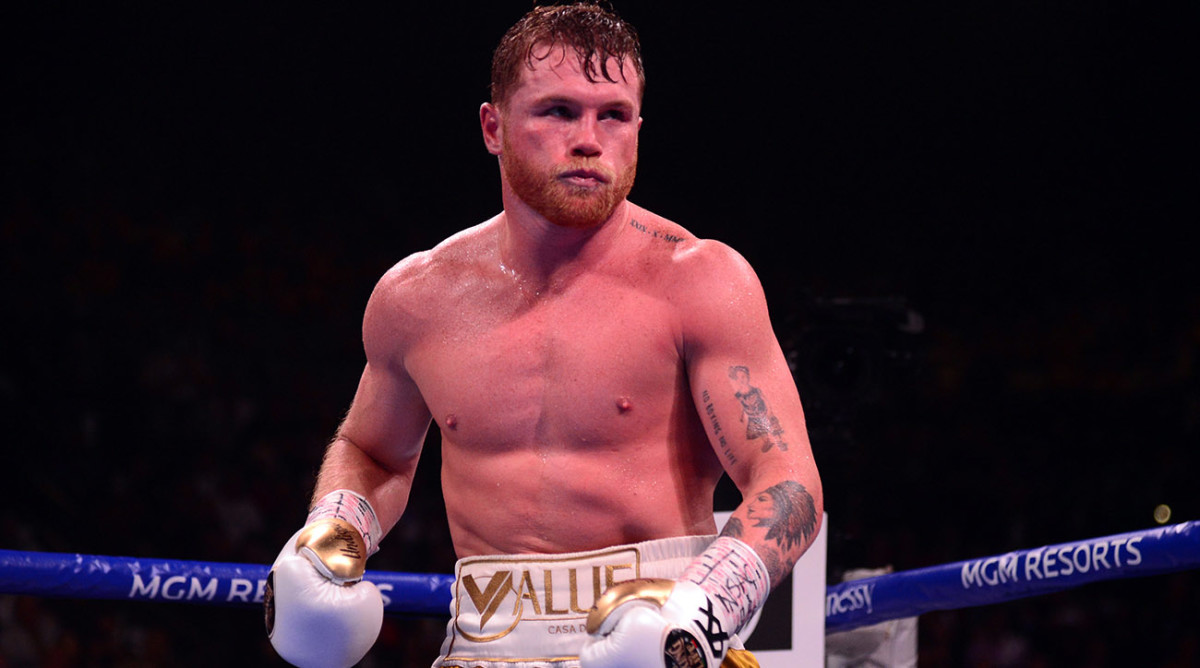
[973, 222]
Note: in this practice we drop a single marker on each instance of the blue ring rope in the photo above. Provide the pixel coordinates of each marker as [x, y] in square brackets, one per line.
[1013, 575]
[848, 605]
[63, 575]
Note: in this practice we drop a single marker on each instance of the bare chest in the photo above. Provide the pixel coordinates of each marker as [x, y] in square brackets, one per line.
[582, 369]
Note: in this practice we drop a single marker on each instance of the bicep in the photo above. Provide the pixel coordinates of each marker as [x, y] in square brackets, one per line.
[740, 379]
[378, 443]
[751, 408]
[388, 419]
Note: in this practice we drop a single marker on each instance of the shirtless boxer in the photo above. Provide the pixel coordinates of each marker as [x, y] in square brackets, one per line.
[593, 369]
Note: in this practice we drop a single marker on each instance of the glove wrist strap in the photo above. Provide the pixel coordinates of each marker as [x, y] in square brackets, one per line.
[734, 577]
[352, 508]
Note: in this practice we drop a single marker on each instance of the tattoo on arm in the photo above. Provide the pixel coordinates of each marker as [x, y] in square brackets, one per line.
[788, 513]
[778, 567]
[771, 558]
[716, 428]
[760, 421]
[734, 528]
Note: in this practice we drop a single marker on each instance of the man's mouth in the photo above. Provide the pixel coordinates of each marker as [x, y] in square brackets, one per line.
[584, 178]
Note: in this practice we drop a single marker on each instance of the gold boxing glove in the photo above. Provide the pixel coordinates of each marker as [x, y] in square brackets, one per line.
[662, 623]
[686, 622]
[335, 548]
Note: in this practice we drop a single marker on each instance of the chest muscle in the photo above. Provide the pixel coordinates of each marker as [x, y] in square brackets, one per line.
[567, 372]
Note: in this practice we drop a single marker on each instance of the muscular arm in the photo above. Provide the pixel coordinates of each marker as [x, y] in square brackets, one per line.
[751, 409]
[376, 448]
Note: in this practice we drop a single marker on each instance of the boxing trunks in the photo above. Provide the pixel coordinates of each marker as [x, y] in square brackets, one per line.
[530, 610]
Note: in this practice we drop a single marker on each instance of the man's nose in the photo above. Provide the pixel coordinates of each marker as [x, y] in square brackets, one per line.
[584, 140]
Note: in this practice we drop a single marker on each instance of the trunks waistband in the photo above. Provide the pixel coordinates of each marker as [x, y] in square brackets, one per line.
[533, 607]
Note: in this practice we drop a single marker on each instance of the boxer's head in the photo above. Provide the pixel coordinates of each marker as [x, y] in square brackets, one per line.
[565, 113]
[600, 40]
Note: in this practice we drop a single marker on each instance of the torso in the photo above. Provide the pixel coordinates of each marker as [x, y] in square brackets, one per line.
[566, 419]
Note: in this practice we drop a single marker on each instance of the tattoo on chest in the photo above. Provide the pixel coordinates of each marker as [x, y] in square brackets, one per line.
[644, 229]
[761, 423]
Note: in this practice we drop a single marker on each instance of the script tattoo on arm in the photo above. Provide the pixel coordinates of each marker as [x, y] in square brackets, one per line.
[718, 435]
[760, 421]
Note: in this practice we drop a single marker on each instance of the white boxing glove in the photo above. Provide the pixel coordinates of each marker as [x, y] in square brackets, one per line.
[686, 623]
[319, 611]
[655, 624]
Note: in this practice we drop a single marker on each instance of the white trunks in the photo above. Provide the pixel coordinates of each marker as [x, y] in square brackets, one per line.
[529, 610]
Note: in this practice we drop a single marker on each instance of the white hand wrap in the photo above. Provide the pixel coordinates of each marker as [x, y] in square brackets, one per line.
[354, 508]
[319, 612]
[685, 622]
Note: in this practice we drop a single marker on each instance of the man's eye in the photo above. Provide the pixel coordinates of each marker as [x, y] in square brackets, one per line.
[614, 114]
[558, 111]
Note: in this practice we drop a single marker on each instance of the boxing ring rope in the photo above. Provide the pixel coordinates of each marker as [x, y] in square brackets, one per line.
[1013, 575]
[963, 584]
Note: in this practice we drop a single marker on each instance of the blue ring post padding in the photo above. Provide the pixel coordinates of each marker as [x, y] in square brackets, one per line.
[1010, 576]
[848, 605]
[208, 583]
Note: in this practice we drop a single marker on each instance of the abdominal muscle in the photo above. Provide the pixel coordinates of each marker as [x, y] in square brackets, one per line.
[556, 500]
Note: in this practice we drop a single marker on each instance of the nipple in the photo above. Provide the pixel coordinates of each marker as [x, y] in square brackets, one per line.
[451, 421]
[624, 405]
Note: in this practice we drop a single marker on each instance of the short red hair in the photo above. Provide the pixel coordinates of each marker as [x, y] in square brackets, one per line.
[594, 33]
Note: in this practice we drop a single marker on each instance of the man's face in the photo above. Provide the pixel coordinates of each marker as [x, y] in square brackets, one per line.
[761, 510]
[568, 146]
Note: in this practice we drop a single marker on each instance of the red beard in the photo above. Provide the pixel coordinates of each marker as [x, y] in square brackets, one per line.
[562, 203]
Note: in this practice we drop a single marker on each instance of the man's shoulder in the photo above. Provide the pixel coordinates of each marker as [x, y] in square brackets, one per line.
[690, 260]
[702, 278]
[409, 297]
[712, 258]
[445, 263]
[411, 293]
[684, 245]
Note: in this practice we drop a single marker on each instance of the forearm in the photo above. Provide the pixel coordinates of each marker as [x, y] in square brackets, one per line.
[779, 518]
[347, 466]
[319, 610]
[693, 618]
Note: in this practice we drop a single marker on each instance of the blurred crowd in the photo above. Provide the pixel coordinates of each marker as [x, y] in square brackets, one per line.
[168, 383]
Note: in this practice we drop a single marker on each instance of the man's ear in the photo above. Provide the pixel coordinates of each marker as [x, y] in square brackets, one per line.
[489, 123]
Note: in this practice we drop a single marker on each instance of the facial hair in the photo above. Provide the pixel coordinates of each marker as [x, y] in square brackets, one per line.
[561, 203]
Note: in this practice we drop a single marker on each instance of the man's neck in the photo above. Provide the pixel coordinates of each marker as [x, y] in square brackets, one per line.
[534, 247]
